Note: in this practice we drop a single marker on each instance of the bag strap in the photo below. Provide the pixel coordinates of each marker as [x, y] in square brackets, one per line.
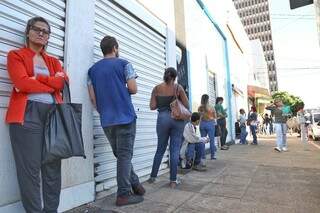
[176, 91]
[65, 94]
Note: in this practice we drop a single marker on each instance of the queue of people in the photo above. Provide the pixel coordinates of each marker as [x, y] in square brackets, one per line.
[38, 80]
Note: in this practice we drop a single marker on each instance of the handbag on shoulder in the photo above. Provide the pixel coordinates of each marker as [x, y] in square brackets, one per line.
[178, 110]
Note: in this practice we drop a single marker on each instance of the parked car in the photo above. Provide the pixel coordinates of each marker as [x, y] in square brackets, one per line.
[314, 126]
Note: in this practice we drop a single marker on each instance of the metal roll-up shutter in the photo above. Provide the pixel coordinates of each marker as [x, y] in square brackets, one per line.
[13, 18]
[145, 49]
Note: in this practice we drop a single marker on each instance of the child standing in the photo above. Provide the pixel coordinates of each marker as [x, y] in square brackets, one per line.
[193, 143]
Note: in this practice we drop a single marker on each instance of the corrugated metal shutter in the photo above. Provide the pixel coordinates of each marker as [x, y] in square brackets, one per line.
[13, 18]
[145, 48]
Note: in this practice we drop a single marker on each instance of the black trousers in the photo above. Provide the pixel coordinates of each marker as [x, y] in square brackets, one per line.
[224, 132]
[27, 140]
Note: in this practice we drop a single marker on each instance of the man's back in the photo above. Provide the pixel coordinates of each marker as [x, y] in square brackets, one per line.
[109, 79]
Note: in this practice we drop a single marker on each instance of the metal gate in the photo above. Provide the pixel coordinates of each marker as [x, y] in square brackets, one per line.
[145, 49]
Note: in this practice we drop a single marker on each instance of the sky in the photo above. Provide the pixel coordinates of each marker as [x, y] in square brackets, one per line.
[297, 50]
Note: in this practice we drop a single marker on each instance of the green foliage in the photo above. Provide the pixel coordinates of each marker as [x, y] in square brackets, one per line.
[294, 102]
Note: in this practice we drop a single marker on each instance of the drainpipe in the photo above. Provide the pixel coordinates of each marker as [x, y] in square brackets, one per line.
[227, 64]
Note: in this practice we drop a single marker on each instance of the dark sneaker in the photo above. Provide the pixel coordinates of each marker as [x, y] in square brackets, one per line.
[128, 200]
[138, 190]
[199, 168]
[224, 148]
[151, 180]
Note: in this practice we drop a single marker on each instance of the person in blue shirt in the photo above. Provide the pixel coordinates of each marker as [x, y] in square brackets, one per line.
[111, 82]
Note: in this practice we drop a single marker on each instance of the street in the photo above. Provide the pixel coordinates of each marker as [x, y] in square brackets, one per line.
[246, 178]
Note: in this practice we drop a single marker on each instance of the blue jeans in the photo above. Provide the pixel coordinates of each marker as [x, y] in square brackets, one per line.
[199, 148]
[173, 129]
[281, 132]
[121, 138]
[253, 129]
[243, 134]
[208, 128]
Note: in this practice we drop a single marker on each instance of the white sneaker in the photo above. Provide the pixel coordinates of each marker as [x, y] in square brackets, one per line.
[277, 149]
[285, 149]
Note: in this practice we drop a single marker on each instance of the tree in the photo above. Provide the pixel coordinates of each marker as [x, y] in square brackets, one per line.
[294, 102]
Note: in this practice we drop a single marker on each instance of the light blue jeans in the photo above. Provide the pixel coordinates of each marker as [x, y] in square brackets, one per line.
[207, 128]
[243, 134]
[168, 128]
[281, 132]
[199, 148]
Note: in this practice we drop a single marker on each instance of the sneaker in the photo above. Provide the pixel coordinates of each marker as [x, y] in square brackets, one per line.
[224, 148]
[285, 149]
[138, 190]
[151, 180]
[173, 184]
[277, 149]
[199, 168]
[128, 200]
[213, 158]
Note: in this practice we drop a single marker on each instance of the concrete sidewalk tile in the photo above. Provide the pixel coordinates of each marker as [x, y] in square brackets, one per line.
[238, 171]
[232, 180]
[224, 190]
[170, 196]
[192, 185]
[149, 206]
[271, 193]
[209, 203]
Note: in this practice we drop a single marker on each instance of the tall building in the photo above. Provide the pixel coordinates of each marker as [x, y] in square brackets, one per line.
[255, 18]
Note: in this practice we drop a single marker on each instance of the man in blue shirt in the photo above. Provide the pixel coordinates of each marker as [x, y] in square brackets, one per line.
[111, 82]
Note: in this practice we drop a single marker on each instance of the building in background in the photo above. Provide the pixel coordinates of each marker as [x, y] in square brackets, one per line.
[256, 20]
[258, 88]
[260, 66]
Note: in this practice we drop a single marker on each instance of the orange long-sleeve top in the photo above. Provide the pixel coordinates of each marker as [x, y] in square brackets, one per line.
[20, 68]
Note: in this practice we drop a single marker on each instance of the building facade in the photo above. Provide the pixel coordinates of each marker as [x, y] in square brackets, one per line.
[147, 36]
[146, 39]
[255, 18]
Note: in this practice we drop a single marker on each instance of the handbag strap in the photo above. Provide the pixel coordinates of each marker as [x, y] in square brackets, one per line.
[65, 94]
[176, 91]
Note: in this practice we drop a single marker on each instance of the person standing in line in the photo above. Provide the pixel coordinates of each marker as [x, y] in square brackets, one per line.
[111, 82]
[38, 80]
[253, 122]
[266, 124]
[207, 125]
[162, 96]
[243, 126]
[280, 125]
[301, 115]
[222, 123]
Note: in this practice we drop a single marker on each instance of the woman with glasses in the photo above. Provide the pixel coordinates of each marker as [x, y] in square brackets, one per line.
[37, 83]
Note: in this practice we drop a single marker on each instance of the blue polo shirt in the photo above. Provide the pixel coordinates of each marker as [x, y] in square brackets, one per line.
[109, 78]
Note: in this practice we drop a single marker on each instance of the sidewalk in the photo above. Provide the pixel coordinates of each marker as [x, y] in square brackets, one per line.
[246, 178]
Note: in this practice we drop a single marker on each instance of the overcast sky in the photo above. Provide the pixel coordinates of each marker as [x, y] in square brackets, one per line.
[297, 50]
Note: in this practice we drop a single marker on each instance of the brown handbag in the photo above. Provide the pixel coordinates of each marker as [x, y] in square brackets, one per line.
[178, 110]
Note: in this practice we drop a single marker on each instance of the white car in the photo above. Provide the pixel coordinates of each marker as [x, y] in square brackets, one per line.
[314, 126]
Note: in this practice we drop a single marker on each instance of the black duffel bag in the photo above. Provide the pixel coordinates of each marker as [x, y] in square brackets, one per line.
[63, 135]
